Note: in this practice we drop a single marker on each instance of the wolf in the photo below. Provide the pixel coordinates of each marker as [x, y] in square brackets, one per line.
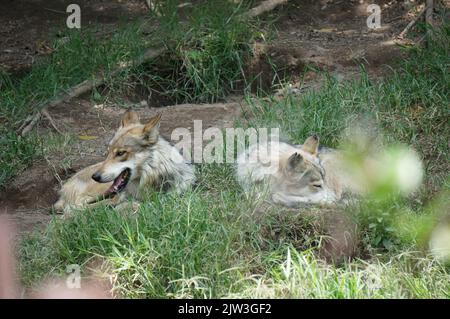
[138, 159]
[292, 175]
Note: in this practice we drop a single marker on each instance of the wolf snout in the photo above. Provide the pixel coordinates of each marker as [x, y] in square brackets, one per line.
[97, 177]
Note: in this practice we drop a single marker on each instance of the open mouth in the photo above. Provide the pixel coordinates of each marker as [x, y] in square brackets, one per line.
[120, 182]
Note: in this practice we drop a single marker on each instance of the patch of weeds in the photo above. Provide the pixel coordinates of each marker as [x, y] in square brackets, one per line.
[17, 153]
[173, 246]
[207, 50]
[302, 275]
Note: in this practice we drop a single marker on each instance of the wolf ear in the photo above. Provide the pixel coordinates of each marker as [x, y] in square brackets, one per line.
[295, 161]
[311, 145]
[130, 117]
[151, 129]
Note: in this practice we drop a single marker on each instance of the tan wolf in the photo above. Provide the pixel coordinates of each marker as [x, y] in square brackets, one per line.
[294, 174]
[138, 159]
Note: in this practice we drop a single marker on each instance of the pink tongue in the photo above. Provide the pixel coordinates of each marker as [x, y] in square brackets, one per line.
[117, 182]
[114, 187]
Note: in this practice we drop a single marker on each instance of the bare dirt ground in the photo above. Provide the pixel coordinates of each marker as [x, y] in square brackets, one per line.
[28, 26]
[332, 35]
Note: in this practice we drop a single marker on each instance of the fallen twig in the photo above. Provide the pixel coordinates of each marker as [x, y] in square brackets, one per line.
[429, 20]
[29, 123]
[52, 123]
[429, 12]
[412, 23]
[264, 7]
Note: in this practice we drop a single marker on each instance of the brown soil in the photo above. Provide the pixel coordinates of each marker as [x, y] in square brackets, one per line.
[331, 35]
[27, 26]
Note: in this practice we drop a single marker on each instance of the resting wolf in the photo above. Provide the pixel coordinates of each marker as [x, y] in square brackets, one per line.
[294, 174]
[138, 159]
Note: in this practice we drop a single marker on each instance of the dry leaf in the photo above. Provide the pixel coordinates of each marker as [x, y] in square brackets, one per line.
[87, 137]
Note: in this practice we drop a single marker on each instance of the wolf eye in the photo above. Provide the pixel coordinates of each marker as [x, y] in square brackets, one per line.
[120, 153]
[316, 185]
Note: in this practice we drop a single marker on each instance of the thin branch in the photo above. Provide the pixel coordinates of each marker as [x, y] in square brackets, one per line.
[429, 12]
[31, 122]
[52, 123]
[264, 7]
[412, 23]
[429, 20]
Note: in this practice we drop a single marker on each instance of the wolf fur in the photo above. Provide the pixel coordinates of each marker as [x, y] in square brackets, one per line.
[291, 175]
[138, 152]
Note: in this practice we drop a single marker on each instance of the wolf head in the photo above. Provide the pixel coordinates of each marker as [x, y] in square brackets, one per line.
[127, 151]
[301, 177]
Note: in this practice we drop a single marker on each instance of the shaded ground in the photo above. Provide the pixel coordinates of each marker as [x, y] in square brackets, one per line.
[28, 25]
[331, 35]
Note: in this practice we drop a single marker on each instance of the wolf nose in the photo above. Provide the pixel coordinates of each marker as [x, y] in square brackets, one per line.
[96, 177]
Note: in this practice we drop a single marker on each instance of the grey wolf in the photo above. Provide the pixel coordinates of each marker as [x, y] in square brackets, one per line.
[291, 175]
[138, 159]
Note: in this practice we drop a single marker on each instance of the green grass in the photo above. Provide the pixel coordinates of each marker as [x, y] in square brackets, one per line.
[214, 242]
[207, 52]
[302, 275]
[209, 244]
